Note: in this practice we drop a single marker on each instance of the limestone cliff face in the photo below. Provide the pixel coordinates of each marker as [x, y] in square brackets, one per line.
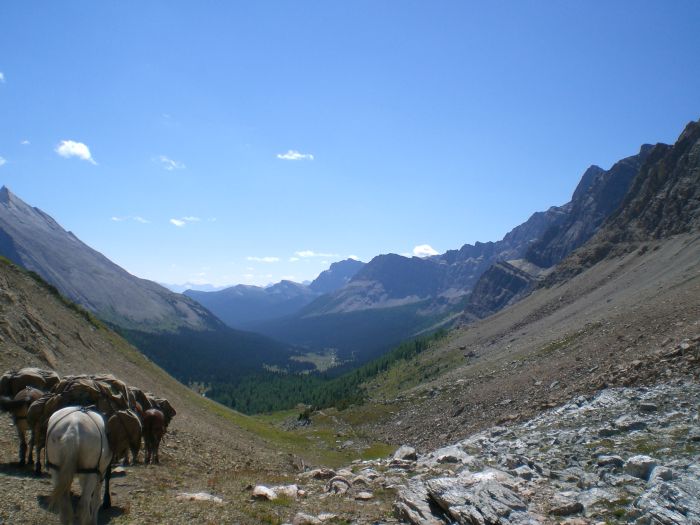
[598, 195]
[663, 200]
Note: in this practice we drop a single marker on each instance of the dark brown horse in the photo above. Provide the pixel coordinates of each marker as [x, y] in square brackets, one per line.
[18, 406]
[124, 432]
[153, 430]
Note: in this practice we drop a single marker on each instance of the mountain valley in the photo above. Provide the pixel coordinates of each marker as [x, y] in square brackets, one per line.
[482, 420]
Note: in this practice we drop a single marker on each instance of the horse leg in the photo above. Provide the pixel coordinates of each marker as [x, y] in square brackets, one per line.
[87, 506]
[148, 450]
[107, 500]
[31, 448]
[37, 465]
[65, 507]
[22, 445]
[157, 447]
[135, 453]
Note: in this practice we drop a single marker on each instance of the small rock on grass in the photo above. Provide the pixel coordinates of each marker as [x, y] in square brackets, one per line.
[263, 492]
[198, 496]
[364, 496]
[305, 519]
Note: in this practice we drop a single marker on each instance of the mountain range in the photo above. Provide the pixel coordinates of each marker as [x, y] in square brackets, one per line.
[354, 310]
[393, 298]
[241, 306]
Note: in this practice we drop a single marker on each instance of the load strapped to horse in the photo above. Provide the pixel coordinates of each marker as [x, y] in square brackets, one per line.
[13, 381]
[107, 394]
[18, 390]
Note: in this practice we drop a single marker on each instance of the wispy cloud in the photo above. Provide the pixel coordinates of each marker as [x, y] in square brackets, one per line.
[182, 221]
[70, 148]
[263, 259]
[353, 257]
[2, 77]
[305, 254]
[2, 161]
[293, 259]
[170, 164]
[295, 155]
[136, 218]
[25, 142]
[424, 250]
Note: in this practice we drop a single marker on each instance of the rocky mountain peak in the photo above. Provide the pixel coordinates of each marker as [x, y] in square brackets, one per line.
[5, 194]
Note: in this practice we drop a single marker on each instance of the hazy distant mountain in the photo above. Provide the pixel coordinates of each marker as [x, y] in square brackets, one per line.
[240, 305]
[176, 331]
[181, 288]
[243, 306]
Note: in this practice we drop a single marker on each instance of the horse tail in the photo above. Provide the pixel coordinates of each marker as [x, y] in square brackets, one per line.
[67, 466]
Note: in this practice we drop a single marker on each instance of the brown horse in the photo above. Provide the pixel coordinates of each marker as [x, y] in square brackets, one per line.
[124, 433]
[153, 430]
[18, 406]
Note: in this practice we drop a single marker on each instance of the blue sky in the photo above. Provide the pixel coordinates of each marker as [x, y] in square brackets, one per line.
[234, 142]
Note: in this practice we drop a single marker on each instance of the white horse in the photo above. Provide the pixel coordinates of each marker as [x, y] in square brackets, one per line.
[76, 443]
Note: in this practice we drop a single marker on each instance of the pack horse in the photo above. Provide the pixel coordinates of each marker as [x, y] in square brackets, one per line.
[77, 444]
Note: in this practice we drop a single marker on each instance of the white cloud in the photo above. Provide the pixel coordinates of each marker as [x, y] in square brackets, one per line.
[70, 148]
[263, 259]
[184, 220]
[353, 257]
[424, 250]
[25, 142]
[170, 164]
[293, 259]
[2, 77]
[135, 218]
[304, 254]
[2, 161]
[295, 155]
